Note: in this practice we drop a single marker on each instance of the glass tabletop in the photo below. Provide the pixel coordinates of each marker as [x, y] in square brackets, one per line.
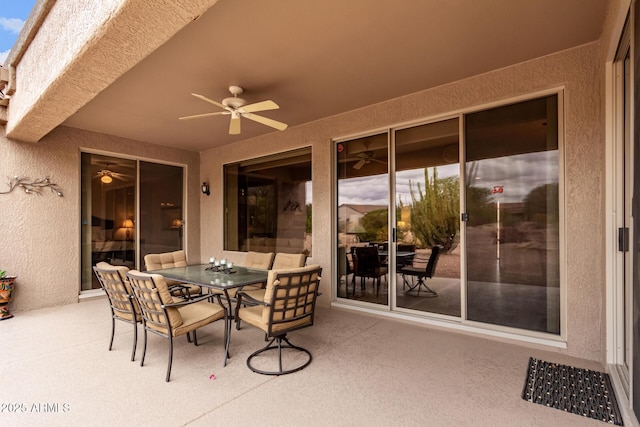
[199, 275]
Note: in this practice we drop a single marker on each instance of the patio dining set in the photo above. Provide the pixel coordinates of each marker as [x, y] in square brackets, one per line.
[275, 293]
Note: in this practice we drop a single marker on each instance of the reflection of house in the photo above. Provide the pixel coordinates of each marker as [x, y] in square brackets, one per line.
[350, 215]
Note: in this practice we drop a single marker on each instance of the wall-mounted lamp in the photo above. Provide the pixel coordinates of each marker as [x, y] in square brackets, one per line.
[205, 189]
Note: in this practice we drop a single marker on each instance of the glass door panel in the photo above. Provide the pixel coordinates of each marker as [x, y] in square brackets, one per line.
[512, 202]
[161, 213]
[363, 218]
[427, 194]
[107, 212]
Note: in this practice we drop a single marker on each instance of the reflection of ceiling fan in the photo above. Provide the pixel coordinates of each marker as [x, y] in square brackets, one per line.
[364, 158]
[106, 175]
[238, 107]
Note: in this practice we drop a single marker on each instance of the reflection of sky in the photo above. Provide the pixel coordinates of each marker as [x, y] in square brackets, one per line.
[518, 175]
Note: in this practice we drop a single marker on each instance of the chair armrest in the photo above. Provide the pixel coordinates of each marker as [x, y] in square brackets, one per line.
[182, 290]
[248, 299]
[192, 300]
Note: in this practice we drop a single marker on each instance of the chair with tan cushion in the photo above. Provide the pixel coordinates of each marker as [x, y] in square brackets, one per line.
[288, 305]
[261, 260]
[283, 260]
[170, 260]
[124, 307]
[163, 316]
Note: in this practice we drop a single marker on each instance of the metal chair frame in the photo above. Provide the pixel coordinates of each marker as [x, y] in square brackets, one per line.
[149, 298]
[120, 302]
[294, 299]
[422, 274]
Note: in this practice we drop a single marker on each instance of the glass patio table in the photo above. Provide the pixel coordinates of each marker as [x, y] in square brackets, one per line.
[219, 280]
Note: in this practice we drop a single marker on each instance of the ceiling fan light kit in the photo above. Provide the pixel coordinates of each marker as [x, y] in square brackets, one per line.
[238, 108]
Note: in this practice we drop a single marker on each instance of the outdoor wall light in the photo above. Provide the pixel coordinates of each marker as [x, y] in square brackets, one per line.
[205, 189]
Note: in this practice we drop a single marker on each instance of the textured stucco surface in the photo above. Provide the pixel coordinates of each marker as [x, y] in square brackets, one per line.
[578, 71]
[42, 234]
[67, 65]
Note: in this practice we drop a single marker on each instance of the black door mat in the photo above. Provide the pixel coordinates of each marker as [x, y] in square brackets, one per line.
[578, 391]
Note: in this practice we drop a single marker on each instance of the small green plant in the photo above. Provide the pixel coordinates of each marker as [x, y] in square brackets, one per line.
[2, 274]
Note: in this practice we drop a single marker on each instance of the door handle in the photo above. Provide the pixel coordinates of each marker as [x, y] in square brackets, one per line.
[623, 239]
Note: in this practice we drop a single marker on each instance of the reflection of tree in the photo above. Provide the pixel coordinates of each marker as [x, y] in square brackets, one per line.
[435, 211]
[308, 221]
[480, 204]
[541, 204]
[373, 226]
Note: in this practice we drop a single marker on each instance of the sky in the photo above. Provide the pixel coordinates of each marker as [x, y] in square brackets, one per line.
[13, 14]
[517, 175]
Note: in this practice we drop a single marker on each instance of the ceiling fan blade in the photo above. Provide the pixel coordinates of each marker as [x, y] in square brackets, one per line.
[197, 116]
[359, 164]
[210, 101]
[265, 121]
[234, 126]
[260, 106]
[378, 161]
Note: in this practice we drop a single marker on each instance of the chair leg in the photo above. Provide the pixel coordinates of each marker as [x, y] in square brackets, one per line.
[227, 336]
[170, 357]
[279, 346]
[144, 348]
[135, 340]
[195, 338]
[113, 331]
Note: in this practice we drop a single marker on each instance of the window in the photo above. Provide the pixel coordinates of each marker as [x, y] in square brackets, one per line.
[268, 203]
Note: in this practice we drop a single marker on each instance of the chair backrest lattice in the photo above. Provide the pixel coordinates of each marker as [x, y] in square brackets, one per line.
[291, 299]
[152, 293]
[115, 284]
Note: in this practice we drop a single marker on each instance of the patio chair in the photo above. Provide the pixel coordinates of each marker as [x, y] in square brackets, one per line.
[284, 260]
[114, 281]
[170, 260]
[163, 316]
[367, 264]
[261, 260]
[422, 273]
[288, 305]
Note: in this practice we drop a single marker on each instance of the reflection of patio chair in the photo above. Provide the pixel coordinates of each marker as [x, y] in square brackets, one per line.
[405, 260]
[422, 273]
[366, 264]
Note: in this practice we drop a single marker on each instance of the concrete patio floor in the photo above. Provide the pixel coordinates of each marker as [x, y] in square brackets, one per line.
[56, 370]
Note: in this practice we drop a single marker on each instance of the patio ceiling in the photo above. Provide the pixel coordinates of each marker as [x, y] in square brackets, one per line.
[321, 58]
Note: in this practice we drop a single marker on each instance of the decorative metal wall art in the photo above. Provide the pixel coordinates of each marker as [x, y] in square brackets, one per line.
[33, 187]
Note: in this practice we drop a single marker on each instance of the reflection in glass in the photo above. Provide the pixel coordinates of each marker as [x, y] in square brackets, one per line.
[268, 203]
[428, 215]
[512, 201]
[161, 214]
[363, 217]
[108, 214]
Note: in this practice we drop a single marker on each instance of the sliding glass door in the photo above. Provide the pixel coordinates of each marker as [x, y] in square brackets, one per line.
[363, 218]
[119, 224]
[512, 205]
[475, 238]
[427, 194]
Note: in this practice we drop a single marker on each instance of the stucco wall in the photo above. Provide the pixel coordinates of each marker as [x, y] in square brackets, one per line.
[41, 235]
[578, 71]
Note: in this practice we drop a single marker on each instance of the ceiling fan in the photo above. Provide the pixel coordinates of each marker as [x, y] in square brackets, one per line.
[237, 108]
[366, 157]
